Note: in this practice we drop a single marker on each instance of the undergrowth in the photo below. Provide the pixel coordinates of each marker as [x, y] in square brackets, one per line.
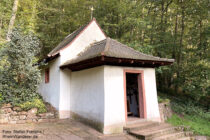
[196, 124]
[35, 103]
[189, 113]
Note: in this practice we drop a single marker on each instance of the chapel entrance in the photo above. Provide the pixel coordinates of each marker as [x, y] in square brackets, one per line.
[134, 96]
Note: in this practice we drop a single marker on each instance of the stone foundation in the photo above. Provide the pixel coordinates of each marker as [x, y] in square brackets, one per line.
[165, 111]
[14, 115]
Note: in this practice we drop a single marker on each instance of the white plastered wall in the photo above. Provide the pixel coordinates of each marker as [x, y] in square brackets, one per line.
[87, 93]
[50, 91]
[114, 95]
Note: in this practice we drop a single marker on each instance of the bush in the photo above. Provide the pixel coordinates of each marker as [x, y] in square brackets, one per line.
[163, 100]
[186, 106]
[35, 103]
[1, 99]
[19, 78]
[189, 108]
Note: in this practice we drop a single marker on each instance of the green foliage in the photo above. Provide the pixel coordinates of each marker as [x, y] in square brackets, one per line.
[188, 113]
[1, 99]
[5, 15]
[184, 105]
[19, 79]
[189, 108]
[35, 103]
[144, 49]
[196, 124]
[198, 79]
[175, 120]
[163, 100]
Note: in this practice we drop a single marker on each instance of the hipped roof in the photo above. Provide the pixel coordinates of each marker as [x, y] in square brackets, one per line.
[110, 48]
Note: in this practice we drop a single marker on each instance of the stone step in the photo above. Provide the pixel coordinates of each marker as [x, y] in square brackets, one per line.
[148, 130]
[173, 136]
[186, 138]
[140, 126]
[156, 128]
[151, 133]
[136, 121]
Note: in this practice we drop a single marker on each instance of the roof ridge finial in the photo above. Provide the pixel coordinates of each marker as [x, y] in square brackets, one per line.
[91, 9]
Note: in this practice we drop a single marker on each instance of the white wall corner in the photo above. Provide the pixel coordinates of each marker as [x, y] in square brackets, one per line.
[64, 101]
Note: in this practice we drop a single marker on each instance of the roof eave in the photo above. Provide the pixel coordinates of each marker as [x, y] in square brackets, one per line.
[104, 60]
[52, 57]
[48, 59]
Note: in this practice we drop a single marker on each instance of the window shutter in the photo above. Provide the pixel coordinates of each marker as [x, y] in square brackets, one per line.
[47, 75]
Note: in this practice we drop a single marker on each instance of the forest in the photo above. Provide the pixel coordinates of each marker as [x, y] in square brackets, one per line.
[177, 29]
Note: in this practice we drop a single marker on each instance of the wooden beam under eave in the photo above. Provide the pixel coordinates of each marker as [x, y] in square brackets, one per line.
[102, 58]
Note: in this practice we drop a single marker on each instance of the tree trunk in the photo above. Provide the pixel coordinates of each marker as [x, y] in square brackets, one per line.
[142, 31]
[166, 13]
[162, 15]
[200, 38]
[180, 50]
[151, 33]
[12, 19]
[175, 37]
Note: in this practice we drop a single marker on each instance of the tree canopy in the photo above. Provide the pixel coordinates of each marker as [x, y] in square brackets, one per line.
[176, 29]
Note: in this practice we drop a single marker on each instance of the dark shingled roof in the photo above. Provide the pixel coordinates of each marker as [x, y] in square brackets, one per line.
[112, 48]
[67, 40]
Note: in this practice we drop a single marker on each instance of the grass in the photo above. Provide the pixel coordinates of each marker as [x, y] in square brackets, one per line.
[196, 124]
[188, 113]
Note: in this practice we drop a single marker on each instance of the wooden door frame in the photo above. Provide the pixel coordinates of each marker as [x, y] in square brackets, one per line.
[142, 109]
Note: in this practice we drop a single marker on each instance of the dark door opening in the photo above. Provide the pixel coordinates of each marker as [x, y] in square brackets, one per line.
[132, 94]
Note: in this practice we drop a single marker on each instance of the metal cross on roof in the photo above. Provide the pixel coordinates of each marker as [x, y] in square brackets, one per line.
[92, 12]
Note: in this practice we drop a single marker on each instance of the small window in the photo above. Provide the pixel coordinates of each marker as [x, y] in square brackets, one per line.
[47, 75]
